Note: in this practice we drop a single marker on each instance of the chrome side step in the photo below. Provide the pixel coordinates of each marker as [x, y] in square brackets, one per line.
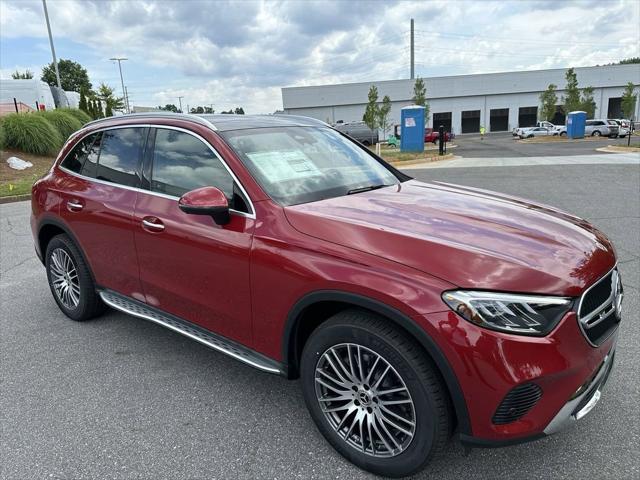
[217, 342]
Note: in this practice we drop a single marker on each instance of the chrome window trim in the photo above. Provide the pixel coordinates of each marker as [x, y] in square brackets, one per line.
[251, 214]
[611, 301]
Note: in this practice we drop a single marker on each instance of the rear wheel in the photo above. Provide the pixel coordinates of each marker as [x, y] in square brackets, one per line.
[70, 280]
[374, 394]
[596, 133]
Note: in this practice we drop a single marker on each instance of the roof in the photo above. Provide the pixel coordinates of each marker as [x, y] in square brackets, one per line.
[224, 122]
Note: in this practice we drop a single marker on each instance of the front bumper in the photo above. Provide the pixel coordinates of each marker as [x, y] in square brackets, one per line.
[489, 364]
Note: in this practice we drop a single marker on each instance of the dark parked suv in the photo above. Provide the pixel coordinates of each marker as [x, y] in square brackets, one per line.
[410, 310]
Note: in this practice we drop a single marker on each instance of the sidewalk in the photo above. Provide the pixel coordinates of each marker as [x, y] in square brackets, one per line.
[603, 159]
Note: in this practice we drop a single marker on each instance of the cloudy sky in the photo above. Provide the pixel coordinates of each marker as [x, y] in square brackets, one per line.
[240, 53]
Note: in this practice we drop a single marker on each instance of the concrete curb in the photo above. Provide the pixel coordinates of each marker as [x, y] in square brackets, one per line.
[618, 149]
[15, 198]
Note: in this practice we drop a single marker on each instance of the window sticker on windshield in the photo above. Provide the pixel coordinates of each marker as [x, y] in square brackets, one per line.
[280, 166]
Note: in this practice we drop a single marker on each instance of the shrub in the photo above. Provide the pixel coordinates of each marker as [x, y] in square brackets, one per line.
[83, 117]
[31, 133]
[2, 136]
[64, 122]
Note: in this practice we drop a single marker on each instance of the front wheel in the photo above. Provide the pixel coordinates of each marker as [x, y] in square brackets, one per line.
[596, 133]
[374, 394]
[563, 134]
[70, 280]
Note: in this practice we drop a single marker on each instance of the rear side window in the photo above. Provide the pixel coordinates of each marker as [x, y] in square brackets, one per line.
[120, 156]
[76, 157]
[90, 164]
[182, 162]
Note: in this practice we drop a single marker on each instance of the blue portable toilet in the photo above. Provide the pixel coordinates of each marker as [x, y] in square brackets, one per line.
[576, 122]
[412, 124]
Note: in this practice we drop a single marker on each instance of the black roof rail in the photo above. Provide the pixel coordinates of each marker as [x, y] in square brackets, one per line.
[156, 114]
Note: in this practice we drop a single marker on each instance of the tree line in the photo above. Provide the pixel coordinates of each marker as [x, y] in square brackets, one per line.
[576, 99]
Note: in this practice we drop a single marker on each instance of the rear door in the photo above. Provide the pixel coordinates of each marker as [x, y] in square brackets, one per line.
[100, 177]
[189, 266]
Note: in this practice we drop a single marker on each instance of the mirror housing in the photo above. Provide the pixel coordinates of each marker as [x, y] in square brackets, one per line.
[206, 201]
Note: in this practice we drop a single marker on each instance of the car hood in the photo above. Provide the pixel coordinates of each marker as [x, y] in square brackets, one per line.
[469, 237]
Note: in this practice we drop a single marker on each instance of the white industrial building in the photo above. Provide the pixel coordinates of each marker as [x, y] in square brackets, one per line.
[499, 101]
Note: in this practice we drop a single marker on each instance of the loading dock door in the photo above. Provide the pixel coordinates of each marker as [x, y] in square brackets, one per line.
[499, 120]
[615, 108]
[471, 121]
[527, 116]
[442, 118]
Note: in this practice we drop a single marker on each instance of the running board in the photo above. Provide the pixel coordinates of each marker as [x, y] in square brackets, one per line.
[217, 342]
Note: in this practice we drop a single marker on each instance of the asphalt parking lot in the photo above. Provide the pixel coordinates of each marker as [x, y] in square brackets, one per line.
[499, 145]
[119, 397]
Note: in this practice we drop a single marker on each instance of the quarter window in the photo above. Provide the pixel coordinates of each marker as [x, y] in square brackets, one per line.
[120, 155]
[181, 163]
[90, 164]
[75, 159]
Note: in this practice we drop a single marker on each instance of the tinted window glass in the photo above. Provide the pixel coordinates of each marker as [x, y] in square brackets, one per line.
[76, 157]
[91, 161]
[181, 162]
[120, 156]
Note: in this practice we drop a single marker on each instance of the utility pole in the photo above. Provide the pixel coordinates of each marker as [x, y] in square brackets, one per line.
[180, 102]
[126, 96]
[412, 52]
[124, 92]
[53, 50]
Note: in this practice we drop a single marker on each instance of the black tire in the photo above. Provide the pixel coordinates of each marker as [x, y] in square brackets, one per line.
[89, 304]
[433, 418]
[366, 143]
[563, 134]
[596, 133]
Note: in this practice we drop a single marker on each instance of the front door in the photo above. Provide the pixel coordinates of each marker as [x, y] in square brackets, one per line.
[189, 266]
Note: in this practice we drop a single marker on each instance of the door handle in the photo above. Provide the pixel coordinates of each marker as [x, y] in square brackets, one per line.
[74, 206]
[156, 226]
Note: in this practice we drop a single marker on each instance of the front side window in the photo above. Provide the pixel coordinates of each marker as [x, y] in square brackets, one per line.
[120, 155]
[304, 164]
[76, 157]
[182, 162]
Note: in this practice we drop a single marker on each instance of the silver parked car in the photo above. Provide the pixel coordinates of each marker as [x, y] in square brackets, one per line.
[601, 127]
[359, 131]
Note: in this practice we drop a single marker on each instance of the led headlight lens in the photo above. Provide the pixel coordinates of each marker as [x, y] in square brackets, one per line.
[520, 314]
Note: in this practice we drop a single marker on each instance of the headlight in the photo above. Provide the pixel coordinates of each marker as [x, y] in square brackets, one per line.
[520, 314]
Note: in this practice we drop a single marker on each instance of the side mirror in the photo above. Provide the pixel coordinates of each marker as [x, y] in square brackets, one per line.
[206, 201]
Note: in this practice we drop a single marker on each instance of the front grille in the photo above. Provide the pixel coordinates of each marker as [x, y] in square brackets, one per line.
[599, 311]
[517, 403]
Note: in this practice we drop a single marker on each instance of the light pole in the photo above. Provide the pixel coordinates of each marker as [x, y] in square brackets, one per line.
[124, 93]
[53, 50]
[180, 102]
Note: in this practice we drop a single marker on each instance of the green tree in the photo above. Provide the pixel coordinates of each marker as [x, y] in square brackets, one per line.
[370, 116]
[628, 102]
[169, 107]
[82, 105]
[239, 111]
[26, 75]
[100, 110]
[420, 96]
[628, 61]
[108, 112]
[548, 100]
[107, 95]
[383, 115]
[571, 99]
[197, 109]
[587, 103]
[73, 76]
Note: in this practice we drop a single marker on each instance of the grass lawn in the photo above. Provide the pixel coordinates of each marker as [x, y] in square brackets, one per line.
[18, 182]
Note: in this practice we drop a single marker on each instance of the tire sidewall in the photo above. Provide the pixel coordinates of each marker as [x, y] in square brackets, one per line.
[418, 451]
[85, 281]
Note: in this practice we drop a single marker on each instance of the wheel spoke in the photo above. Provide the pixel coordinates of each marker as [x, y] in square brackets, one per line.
[359, 357]
[329, 377]
[331, 387]
[339, 362]
[373, 369]
[385, 419]
[330, 362]
[392, 390]
[353, 375]
[381, 377]
[395, 415]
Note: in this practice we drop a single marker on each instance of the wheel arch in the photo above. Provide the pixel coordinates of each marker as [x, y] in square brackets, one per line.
[49, 228]
[316, 307]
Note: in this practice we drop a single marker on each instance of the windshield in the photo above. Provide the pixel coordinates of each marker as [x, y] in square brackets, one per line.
[305, 164]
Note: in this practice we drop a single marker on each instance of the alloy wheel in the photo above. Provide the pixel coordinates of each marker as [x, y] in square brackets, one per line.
[365, 400]
[64, 278]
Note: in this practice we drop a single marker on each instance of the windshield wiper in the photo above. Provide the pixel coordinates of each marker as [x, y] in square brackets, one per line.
[366, 189]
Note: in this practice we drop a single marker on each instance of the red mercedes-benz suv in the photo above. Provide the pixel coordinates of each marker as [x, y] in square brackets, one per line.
[409, 310]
